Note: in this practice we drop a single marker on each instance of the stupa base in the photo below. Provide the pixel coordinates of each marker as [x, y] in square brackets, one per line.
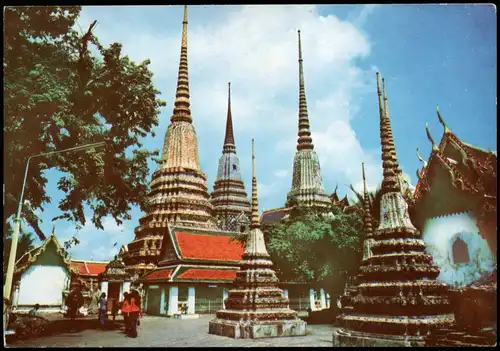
[348, 338]
[257, 330]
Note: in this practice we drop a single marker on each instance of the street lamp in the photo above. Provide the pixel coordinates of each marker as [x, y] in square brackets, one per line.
[13, 247]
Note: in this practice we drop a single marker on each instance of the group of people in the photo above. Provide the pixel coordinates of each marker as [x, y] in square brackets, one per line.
[130, 308]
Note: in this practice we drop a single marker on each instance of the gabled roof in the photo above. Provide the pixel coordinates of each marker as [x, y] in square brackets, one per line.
[91, 268]
[201, 273]
[274, 215]
[184, 244]
[31, 256]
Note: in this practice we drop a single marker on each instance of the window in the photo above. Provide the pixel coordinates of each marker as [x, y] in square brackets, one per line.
[460, 252]
[235, 168]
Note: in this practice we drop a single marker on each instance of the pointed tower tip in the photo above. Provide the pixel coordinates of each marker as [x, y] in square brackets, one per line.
[255, 222]
[229, 145]
[185, 14]
[304, 140]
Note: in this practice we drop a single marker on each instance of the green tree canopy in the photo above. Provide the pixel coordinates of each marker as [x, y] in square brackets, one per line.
[317, 248]
[24, 245]
[57, 95]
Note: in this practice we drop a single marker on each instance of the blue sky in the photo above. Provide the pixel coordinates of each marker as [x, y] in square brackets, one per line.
[429, 55]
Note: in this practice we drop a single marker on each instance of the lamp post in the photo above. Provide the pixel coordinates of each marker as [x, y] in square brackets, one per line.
[13, 247]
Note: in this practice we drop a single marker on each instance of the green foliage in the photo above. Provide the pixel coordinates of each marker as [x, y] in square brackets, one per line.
[314, 247]
[57, 95]
[24, 244]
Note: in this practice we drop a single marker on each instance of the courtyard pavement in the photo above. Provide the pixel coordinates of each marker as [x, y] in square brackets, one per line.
[170, 332]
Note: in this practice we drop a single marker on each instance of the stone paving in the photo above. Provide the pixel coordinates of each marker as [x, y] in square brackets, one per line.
[169, 332]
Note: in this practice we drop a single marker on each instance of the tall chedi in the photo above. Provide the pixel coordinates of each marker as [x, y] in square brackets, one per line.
[256, 307]
[396, 300]
[232, 208]
[307, 185]
[179, 192]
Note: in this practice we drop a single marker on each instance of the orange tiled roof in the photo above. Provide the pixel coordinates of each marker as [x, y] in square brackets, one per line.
[209, 247]
[157, 275]
[208, 274]
[88, 268]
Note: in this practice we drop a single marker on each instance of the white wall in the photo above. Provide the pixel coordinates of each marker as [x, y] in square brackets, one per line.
[43, 285]
[440, 233]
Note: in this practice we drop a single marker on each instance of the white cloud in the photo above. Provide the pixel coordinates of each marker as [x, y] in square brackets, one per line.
[281, 173]
[104, 253]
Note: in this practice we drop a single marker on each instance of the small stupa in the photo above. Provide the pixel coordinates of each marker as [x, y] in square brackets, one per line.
[396, 300]
[256, 307]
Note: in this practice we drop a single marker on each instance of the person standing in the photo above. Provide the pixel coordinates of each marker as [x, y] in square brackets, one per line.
[102, 308]
[125, 310]
[135, 307]
[74, 302]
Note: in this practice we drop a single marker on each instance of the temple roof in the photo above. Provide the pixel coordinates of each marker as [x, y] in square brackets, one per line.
[31, 256]
[190, 245]
[467, 166]
[91, 268]
[192, 273]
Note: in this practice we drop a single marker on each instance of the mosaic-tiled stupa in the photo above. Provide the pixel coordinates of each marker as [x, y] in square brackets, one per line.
[396, 300]
[178, 189]
[256, 307]
[307, 184]
[229, 198]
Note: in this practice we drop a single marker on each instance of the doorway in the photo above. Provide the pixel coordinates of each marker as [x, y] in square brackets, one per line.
[113, 294]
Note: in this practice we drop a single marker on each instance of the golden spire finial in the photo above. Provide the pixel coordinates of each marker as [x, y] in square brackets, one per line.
[254, 223]
[367, 219]
[434, 146]
[304, 140]
[421, 159]
[441, 120]
[184, 27]
[391, 172]
[182, 110]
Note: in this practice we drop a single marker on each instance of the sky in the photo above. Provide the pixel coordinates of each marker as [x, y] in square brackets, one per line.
[429, 55]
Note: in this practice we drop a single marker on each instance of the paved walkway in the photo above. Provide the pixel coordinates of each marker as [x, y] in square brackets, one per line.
[169, 332]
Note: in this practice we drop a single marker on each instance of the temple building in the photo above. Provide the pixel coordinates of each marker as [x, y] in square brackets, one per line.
[396, 299]
[455, 208]
[307, 184]
[256, 307]
[229, 198]
[45, 274]
[178, 189]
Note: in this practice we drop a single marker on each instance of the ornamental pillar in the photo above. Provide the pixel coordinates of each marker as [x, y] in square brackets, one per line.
[173, 300]
[312, 300]
[191, 300]
[322, 298]
[104, 287]
[162, 300]
[225, 295]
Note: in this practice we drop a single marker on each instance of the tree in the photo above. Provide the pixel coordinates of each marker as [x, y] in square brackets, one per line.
[57, 95]
[315, 248]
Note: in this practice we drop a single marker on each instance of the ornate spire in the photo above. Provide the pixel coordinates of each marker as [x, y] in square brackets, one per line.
[441, 120]
[255, 223]
[367, 218]
[229, 145]
[389, 159]
[304, 141]
[182, 111]
[434, 146]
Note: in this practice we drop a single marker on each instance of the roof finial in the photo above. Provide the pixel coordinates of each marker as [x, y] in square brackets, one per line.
[446, 129]
[421, 159]
[390, 165]
[182, 111]
[53, 229]
[434, 146]
[304, 141]
[229, 145]
[367, 218]
[255, 223]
